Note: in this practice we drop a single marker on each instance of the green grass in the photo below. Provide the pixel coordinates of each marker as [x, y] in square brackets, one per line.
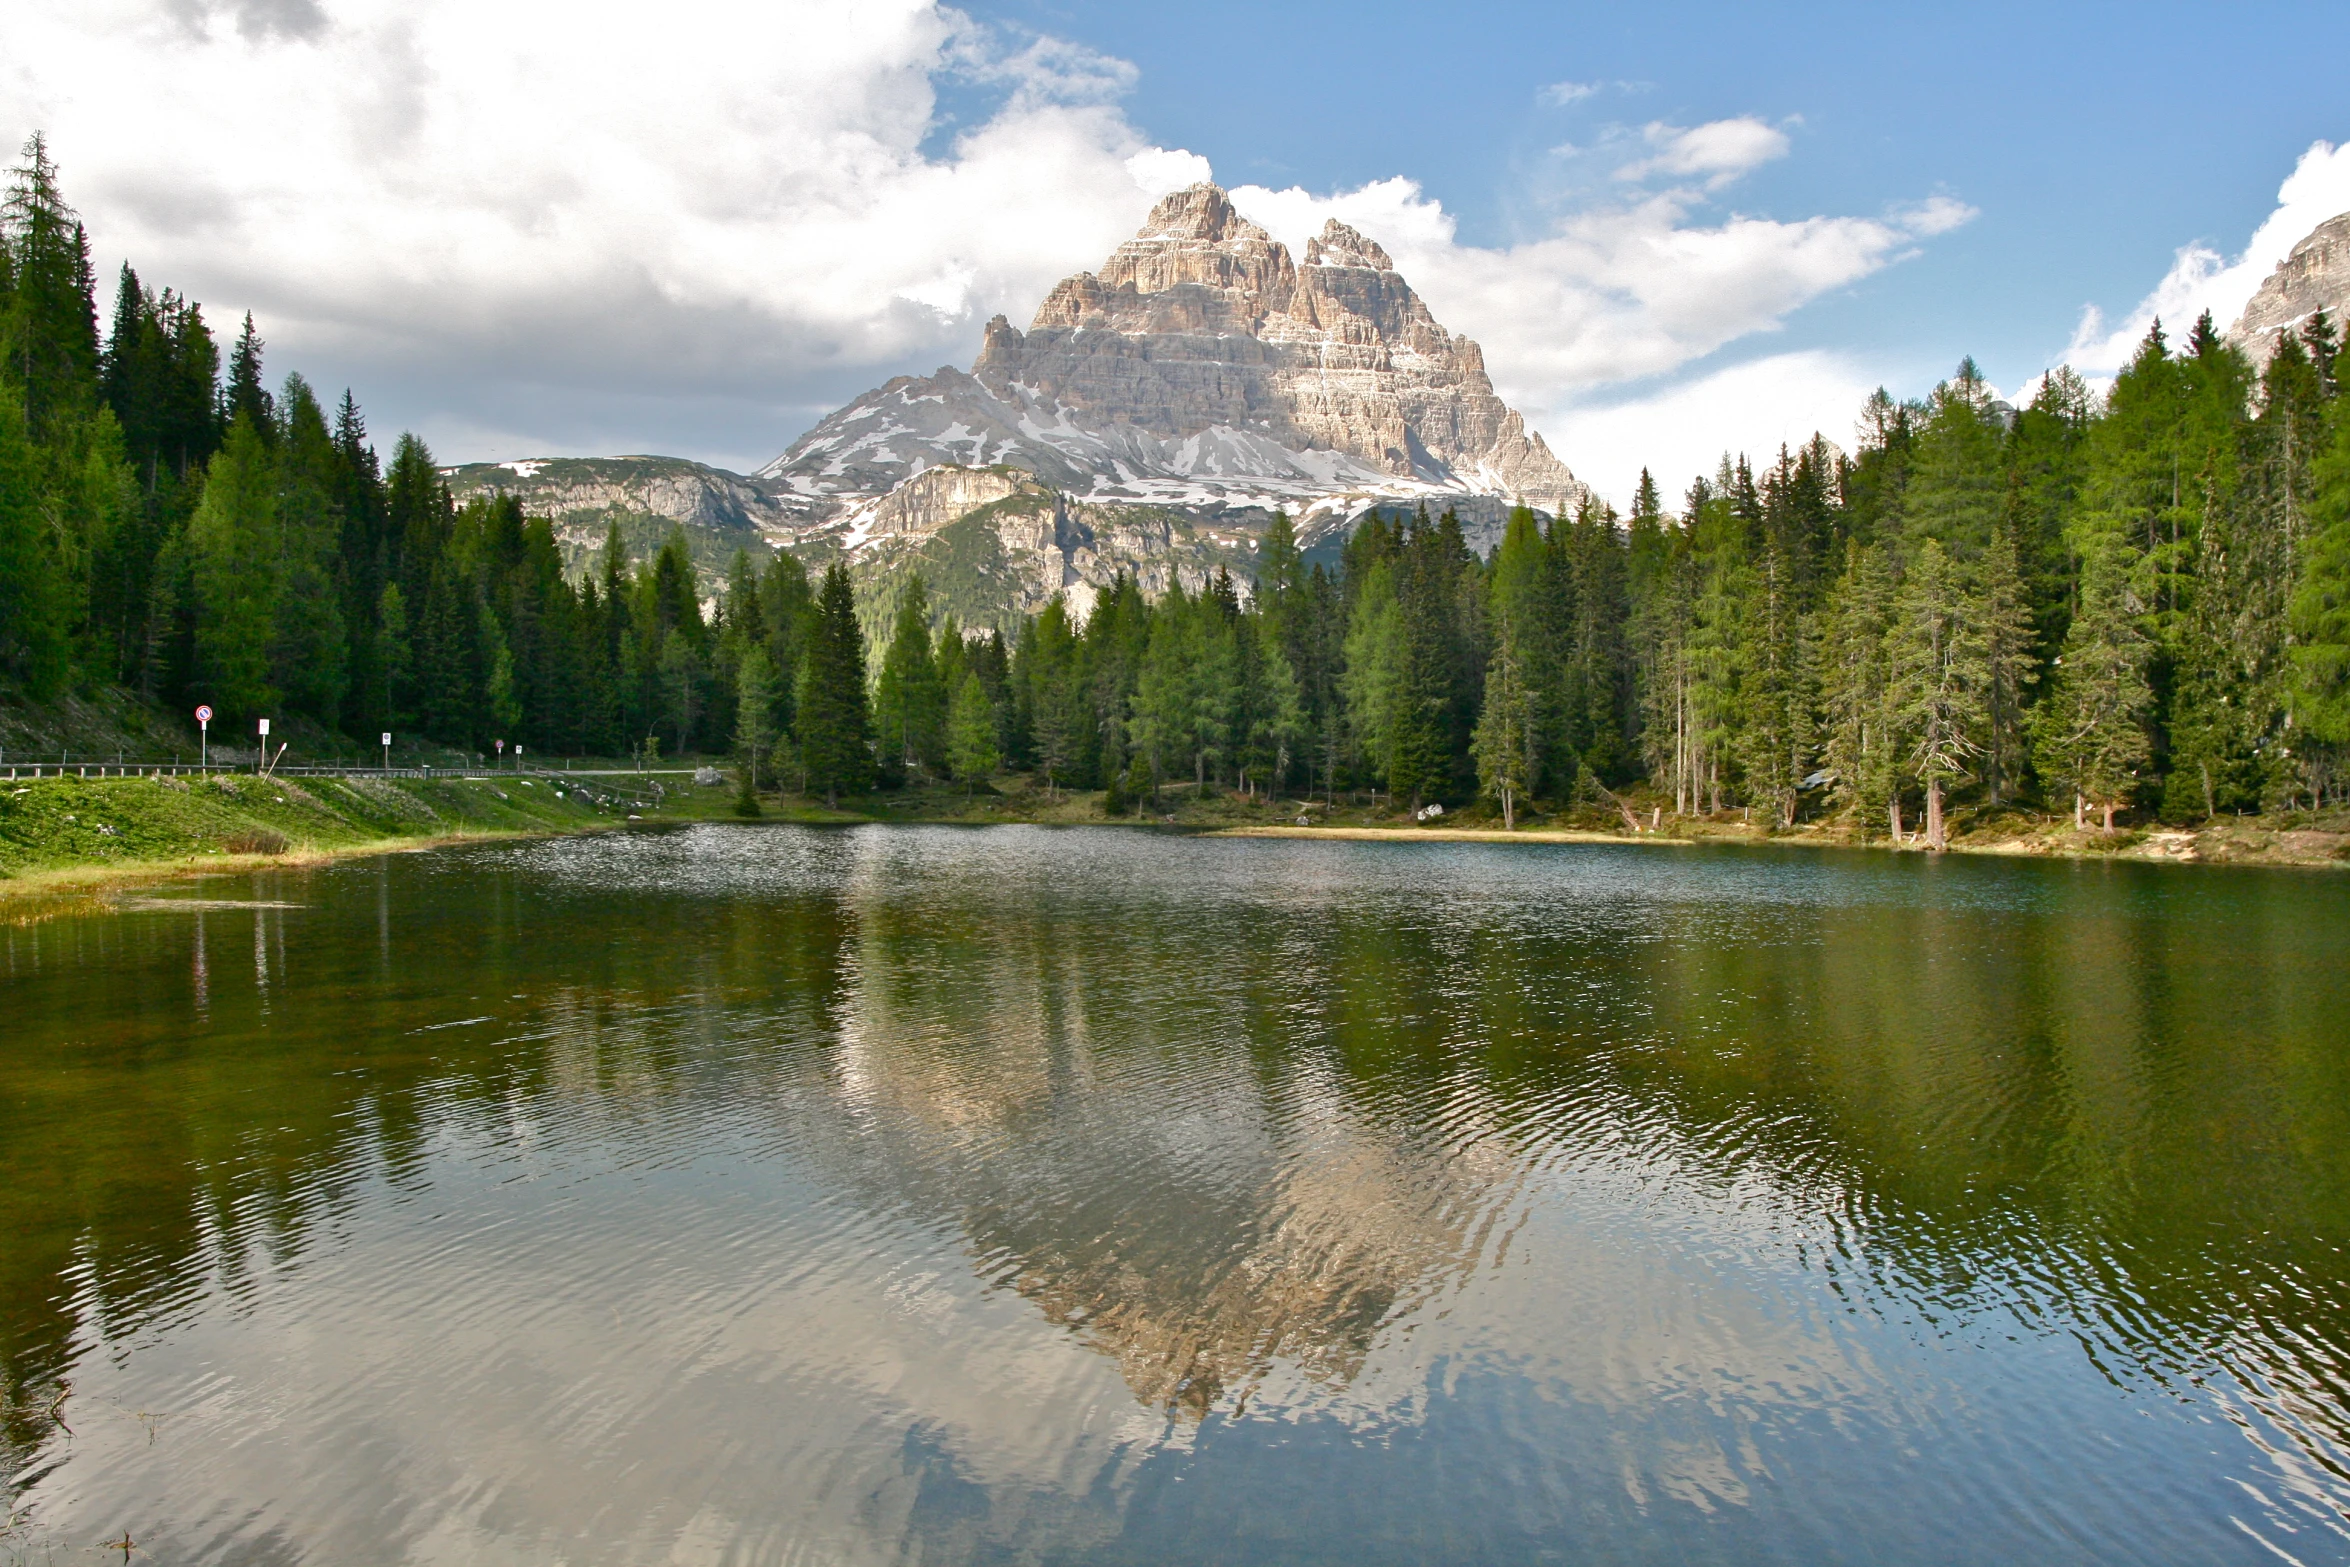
[60, 833]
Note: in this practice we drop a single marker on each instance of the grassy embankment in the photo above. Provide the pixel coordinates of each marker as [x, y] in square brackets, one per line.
[66, 838]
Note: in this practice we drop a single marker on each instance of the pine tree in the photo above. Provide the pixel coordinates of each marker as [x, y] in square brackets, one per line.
[2317, 685]
[53, 308]
[1774, 739]
[909, 701]
[1281, 581]
[2090, 730]
[836, 749]
[1509, 732]
[391, 701]
[1594, 658]
[356, 488]
[788, 610]
[35, 616]
[309, 647]
[1168, 717]
[758, 690]
[1939, 676]
[971, 749]
[1051, 693]
[1217, 717]
[1664, 571]
[1530, 588]
[1275, 723]
[247, 395]
[1434, 701]
[2323, 344]
[134, 348]
[236, 570]
[679, 665]
[2046, 459]
[1854, 680]
[1372, 678]
[2002, 612]
[1711, 648]
[1957, 490]
[418, 518]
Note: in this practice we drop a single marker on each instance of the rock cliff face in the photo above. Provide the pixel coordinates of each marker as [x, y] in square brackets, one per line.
[2316, 276]
[1203, 366]
[647, 496]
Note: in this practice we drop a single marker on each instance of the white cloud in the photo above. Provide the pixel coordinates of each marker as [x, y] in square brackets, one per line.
[698, 236]
[1721, 150]
[1616, 293]
[1635, 292]
[2202, 279]
[503, 213]
[1935, 215]
[1680, 433]
[1559, 94]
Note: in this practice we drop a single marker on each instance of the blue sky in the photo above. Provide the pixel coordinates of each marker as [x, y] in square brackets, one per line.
[1673, 229]
[2094, 140]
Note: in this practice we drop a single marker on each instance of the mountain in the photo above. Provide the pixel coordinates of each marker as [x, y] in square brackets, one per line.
[1203, 367]
[1151, 419]
[2314, 277]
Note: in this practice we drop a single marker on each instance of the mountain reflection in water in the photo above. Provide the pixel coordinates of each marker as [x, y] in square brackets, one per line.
[788, 1194]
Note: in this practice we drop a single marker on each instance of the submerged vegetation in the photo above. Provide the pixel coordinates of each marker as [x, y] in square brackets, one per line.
[2112, 608]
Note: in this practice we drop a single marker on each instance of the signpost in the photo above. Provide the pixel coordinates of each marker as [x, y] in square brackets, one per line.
[387, 750]
[264, 757]
[204, 738]
[501, 745]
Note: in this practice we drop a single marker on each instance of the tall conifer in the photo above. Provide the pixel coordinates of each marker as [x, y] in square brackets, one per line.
[836, 750]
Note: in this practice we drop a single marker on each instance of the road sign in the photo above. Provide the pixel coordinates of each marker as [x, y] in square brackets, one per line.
[203, 715]
[387, 738]
[265, 729]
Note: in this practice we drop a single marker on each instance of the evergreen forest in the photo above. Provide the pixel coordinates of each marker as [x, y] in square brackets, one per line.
[2134, 603]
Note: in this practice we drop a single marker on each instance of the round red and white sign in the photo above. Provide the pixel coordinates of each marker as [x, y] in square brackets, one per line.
[203, 715]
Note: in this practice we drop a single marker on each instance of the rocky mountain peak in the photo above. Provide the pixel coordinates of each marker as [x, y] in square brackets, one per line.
[1340, 246]
[1203, 370]
[1201, 211]
[1193, 238]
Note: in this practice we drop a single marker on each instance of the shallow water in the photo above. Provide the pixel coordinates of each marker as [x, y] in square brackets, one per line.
[760, 1194]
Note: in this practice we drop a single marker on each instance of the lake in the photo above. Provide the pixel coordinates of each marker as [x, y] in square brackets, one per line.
[770, 1194]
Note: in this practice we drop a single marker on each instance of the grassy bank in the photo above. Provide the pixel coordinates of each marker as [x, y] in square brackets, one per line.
[67, 837]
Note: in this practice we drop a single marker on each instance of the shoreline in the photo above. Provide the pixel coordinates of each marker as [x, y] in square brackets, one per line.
[27, 896]
[1368, 834]
[200, 831]
[2310, 849]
